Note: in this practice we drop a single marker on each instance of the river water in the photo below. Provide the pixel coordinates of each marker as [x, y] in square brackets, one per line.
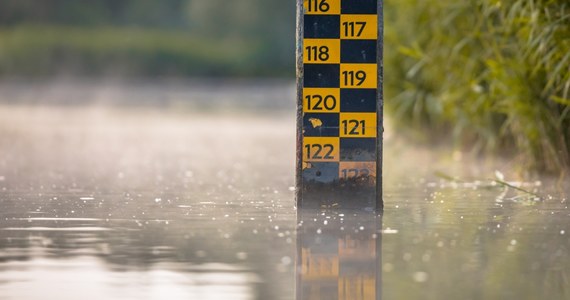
[186, 191]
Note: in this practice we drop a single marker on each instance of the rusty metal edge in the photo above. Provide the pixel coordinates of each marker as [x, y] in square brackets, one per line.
[380, 108]
[299, 72]
[299, 136]
[380, 139]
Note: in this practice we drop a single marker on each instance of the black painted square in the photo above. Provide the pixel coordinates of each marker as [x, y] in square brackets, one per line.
[320, 125]
[358, 100]
[321, 75]
[321, 172]
[359, 6]
[322, 26]
[358, 149]
[358, 51]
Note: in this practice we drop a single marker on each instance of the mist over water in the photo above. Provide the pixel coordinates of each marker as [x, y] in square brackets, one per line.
[192, 196]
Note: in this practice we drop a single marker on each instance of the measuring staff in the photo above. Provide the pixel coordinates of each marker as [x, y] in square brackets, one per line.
[340, 103]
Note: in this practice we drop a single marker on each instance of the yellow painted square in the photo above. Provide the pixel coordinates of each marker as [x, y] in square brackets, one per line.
[358, 125]
[318, 266]
[357, 287]
[359, 27]
[321, 149]
[350, 170]
[360, 76]
[350, 247]
[321, 100]
[321, 7]
[321, 51]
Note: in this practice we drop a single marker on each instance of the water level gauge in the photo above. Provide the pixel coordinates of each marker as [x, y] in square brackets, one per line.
[339, 80]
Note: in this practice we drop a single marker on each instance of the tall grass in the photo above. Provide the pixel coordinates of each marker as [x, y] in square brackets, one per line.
[493, 74]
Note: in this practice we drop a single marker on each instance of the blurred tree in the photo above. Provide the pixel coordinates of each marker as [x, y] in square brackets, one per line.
[263, 31]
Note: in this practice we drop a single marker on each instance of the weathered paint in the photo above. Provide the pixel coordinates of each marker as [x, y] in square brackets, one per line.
[340, 103]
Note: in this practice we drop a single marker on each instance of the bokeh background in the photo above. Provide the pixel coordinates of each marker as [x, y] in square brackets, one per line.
[492, 75]
[147, 38]
[147, 150]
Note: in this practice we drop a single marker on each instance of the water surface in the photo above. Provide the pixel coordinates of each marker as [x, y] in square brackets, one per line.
[185, 201]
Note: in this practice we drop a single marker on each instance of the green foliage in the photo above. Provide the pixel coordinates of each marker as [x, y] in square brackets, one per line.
[147, 37]
[495, 74]
[124, 51]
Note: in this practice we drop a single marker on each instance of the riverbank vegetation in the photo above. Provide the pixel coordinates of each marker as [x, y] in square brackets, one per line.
[493, 75]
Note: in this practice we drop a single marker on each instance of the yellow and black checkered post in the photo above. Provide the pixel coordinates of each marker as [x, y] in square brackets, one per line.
[339, 80]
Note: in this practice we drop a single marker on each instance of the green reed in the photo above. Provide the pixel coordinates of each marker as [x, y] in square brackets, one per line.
[494, 75]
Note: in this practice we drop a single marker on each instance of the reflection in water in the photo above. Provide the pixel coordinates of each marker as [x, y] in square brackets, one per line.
[105, 203]
[462, 242]
[338, 255]
[90, 258]
[86, 277]
[139, 204]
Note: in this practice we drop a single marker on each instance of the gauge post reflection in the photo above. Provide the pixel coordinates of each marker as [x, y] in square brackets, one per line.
[339, 255]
